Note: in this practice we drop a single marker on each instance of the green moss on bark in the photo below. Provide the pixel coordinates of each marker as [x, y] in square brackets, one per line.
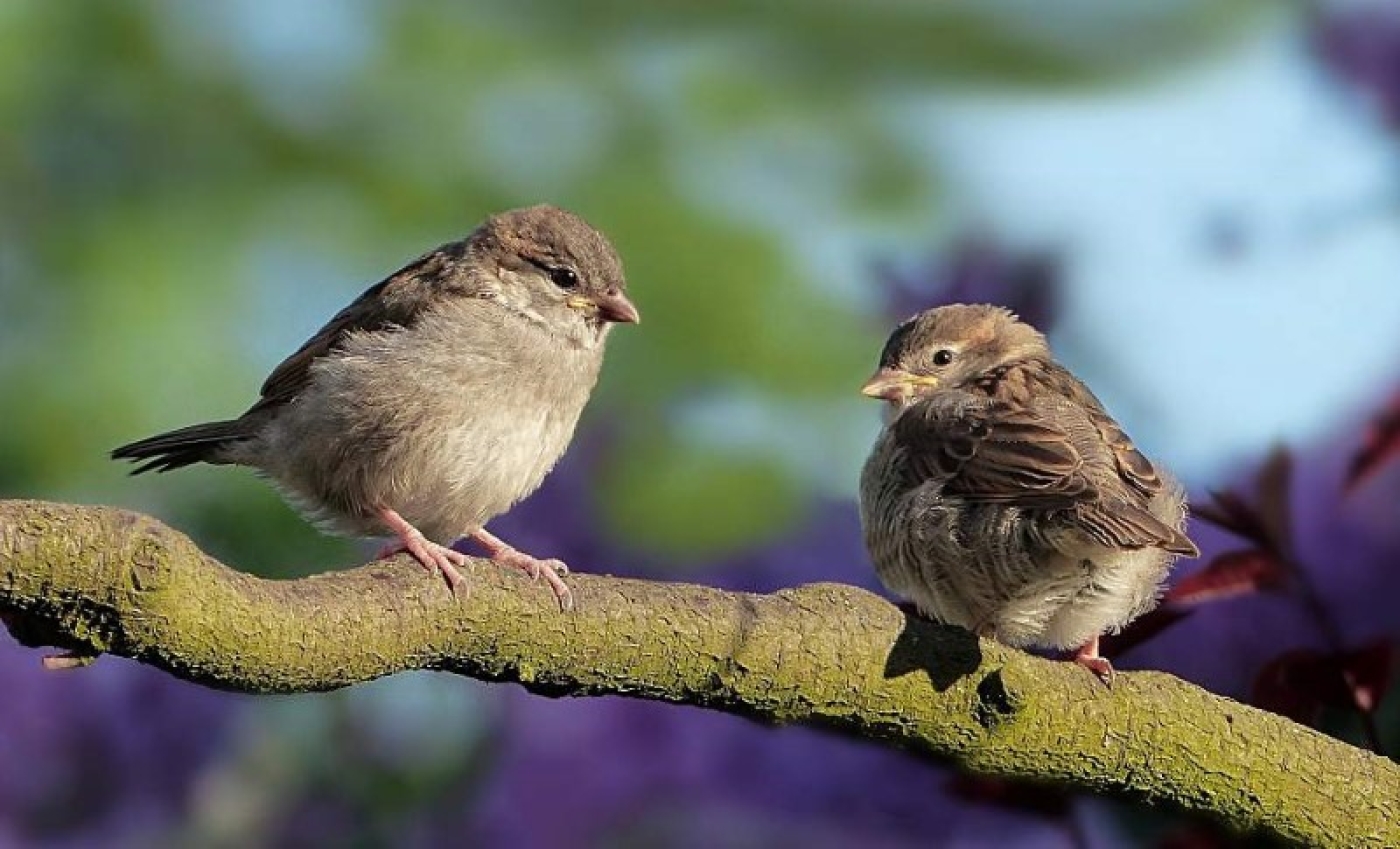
[95, 580]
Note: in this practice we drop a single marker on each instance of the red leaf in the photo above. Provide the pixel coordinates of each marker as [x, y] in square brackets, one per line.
[1382, 441]
[1367, 673]
[1231, 512]
[1298, 684]
[1275, 486]
[1030, 798]
[1287, 685]
[1142, 629]
[1233, 573]
[1197, 837]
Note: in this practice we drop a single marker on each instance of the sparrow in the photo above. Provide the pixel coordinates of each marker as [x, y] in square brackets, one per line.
[1001, 497]
[437, 399]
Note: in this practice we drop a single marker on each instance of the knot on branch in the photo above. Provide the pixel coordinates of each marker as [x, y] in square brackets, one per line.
[996, 703]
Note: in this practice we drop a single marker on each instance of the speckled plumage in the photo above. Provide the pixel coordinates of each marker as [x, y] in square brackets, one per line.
[1001, 497]
[440, 397]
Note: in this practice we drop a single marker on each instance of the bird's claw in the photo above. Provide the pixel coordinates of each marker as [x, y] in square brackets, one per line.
[1088, 657]
[1101, 668]
[551, 570]
[435, 558]
[67, 660]
[537, 568]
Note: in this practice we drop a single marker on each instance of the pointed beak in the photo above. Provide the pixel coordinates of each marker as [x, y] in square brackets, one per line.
[613, 306]
[892, 384]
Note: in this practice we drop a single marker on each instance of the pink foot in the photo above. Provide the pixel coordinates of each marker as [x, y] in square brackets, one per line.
[1088, 657]
[551, 569]
[434, 557]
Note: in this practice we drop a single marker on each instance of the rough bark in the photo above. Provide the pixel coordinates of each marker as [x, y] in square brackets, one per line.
[98, 580]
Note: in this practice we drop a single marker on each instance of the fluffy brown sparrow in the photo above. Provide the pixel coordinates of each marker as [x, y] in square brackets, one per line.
[1000, 495]
[438, 398]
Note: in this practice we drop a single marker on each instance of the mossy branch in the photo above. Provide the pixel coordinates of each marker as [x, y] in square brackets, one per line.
[97, 580]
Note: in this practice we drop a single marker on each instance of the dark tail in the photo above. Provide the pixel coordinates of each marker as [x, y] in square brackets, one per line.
[183, 447]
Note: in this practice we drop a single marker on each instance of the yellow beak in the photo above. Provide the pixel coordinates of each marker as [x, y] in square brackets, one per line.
[894, 384]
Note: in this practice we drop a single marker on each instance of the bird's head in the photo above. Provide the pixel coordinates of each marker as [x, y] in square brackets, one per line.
[552, 267]
[947, 347]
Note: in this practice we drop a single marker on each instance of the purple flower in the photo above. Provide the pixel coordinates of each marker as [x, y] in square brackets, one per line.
[612, 770]
[105, 755]
[977, 270]
[1360, 43]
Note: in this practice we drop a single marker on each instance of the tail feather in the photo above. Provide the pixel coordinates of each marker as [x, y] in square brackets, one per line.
[1123, 525]
[183, 447]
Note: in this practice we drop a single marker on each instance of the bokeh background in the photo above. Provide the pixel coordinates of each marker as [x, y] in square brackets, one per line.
[1198, 199]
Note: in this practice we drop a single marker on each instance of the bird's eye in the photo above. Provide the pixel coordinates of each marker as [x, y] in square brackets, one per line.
[564, 278]
[942, 357]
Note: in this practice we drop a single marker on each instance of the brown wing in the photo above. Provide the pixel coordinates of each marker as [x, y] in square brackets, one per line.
[1120, 517]
[995, 452]
[397, 301]
[1132, 465]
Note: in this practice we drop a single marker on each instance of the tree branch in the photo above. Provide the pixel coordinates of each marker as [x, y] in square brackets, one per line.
[99, 580]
